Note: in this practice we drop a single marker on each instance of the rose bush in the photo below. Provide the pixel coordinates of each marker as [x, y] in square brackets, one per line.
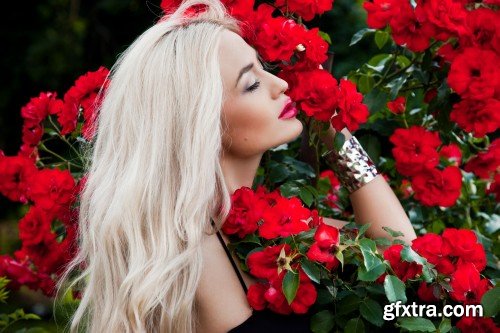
[426, 110]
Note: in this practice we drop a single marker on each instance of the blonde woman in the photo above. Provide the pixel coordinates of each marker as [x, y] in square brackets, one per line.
[184, 123]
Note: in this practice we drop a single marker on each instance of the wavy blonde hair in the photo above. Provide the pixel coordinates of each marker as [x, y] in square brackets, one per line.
[154, 179]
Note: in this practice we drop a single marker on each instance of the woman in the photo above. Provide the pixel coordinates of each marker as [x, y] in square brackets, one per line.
[186, 118]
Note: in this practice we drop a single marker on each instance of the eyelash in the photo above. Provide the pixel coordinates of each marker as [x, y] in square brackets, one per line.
[254, 86]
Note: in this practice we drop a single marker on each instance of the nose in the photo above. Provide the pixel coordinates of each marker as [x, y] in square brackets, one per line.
[279, 86]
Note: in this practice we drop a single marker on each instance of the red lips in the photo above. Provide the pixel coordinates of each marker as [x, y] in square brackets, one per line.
[289, 111]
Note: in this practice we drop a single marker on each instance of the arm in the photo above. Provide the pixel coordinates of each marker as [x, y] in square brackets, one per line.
[375, 203]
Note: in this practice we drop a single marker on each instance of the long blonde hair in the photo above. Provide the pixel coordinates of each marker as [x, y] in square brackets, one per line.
[154, 179]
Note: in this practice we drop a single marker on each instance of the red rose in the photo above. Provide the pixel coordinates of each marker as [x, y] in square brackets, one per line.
[31, 138]
[462, 243]
[82, 96]
[351, 112]
[276, 38]
[34, 226]
[430, 247]
[398, 105]
[404, 270]
[265, 263]
[246, 211]
[485, 164]
[314, 53]
[474, 74]
[477, 116]
[467, 285]
[270, 294]
[18, 272]
[438, 188]
[415, 149]
[477, 325]
[306, 9]
[326, 240]
[270, 197]
[448, 16]
[331, 197]
[52, 189]
[287, 217]
[480, 30]
[411, 30]
[14, 174]
[429, 293]
[380, 12]
[255, 296]
[241, 9]
[316, 100]
[452, 153]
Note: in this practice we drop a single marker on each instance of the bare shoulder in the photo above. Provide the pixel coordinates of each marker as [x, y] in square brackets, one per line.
[221, 300]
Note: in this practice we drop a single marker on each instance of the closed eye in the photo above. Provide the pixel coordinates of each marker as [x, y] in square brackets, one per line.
[253, 86]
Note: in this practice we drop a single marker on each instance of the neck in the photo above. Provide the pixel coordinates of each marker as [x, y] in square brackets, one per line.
[239, 171]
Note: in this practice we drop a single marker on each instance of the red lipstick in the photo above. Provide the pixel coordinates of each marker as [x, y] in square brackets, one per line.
[289, 110]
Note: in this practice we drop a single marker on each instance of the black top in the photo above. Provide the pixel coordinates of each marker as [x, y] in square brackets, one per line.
[267, 320]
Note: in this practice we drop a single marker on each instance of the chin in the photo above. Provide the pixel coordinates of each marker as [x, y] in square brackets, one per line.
[296, 128]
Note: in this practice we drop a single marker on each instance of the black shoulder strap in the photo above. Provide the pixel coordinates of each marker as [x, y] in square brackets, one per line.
[231, 259]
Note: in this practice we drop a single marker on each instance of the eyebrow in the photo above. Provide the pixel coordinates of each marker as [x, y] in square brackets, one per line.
[246, 68]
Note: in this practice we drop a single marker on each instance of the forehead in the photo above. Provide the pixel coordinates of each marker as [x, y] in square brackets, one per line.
[234, 53]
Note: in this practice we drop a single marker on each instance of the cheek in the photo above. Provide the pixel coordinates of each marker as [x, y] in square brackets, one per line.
[244, 129]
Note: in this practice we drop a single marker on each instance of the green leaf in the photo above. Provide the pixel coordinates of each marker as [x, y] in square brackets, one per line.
[348, 304]
[372, 311]
[392, 232]
[369, 250]
[372, 274]
[325, 36]
[377, 62]
[365, 83]
[395, 85]
[306, 196]
[382, 242]
[278, 172]
[362, 230]
[355, 325]
[338, 141]
[31, 316]
[289, 189]
[340, 257]
[491, 302]
[445, 325]
[290, 286]
[359, 35]
[416, 324]
[381, 37]
[394, 289]
[409, 255]
[402, 61]
[311, 270]
[322, 322]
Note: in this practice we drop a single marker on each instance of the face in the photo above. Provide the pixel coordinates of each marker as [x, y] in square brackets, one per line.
[253, 102]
